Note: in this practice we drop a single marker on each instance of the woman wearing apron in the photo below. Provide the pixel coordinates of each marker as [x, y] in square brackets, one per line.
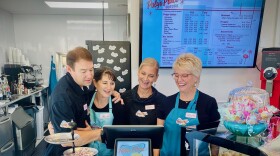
[102, 111]
[187, 108]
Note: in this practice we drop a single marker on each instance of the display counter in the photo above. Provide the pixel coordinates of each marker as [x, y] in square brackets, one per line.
[228, 144]
[225, 143]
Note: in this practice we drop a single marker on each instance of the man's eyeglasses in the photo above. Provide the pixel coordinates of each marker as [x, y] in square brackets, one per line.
[183, 76]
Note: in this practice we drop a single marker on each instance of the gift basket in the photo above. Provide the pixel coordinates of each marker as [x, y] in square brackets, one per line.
[248, 111]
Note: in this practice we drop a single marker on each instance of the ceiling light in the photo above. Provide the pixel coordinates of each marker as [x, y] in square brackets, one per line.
[84, 5]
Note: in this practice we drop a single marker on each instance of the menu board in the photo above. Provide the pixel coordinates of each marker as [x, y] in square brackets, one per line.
[222, 33]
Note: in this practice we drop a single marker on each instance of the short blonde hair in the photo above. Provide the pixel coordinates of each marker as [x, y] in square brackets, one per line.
[149, 62]
[190, 62]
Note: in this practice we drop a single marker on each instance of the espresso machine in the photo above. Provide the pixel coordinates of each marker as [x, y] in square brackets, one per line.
[12, 70]
[270, 74]
[31, 75]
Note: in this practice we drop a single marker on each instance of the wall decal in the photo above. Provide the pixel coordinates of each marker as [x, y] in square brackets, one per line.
[116, 55]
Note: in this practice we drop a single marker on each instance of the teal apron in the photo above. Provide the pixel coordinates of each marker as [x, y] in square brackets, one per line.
[172, 131]
[99, 119]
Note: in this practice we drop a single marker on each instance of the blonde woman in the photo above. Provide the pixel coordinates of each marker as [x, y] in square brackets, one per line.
[142, 102]
[188, 107]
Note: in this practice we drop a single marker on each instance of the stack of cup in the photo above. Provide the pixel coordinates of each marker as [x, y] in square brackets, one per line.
[10, 55]
[15, 56]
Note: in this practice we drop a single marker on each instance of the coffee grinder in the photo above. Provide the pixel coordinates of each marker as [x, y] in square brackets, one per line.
[270, 74]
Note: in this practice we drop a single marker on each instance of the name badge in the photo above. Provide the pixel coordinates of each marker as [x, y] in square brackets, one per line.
[141, 114]
[85, 107]
[191, 115]
[104, 116]
[149, 107]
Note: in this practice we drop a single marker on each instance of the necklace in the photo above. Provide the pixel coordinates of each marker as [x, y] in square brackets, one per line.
[145, 93]
[187, 97]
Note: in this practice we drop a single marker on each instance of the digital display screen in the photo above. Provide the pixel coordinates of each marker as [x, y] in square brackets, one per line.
[222, 33]
[133, 148]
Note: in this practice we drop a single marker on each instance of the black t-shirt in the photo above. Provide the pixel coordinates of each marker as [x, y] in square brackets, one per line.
[146, 107]
[207, 108]
[118, 111]
[68, 102]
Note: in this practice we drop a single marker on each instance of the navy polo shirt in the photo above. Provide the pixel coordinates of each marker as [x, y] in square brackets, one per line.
[68, 102]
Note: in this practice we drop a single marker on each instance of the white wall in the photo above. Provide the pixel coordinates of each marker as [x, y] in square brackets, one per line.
[215, 82]
[7, 36]
[277, 38]
[40, 36]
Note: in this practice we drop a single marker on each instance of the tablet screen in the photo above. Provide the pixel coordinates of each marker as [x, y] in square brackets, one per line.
[133, 147]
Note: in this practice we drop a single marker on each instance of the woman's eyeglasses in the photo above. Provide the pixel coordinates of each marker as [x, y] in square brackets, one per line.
[183, 76]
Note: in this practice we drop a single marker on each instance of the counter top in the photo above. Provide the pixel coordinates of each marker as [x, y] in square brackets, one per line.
[269, 147]
[16, 97]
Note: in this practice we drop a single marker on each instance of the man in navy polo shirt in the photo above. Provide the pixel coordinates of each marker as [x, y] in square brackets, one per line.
[70, 99]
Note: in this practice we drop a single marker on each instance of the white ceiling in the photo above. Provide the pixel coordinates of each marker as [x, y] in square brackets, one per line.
[116, 7]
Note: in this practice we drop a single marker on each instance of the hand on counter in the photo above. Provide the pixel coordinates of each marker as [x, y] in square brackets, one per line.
[86, 134]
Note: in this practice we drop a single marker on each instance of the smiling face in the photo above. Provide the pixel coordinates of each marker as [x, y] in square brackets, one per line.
[187, 69]
[82, 72]
[105, 86]
[147, 75]
[185, 80]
